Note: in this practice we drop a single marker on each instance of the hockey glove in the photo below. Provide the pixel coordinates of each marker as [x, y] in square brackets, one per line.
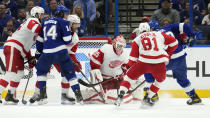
[37, 54]
[77, 66]
[32, 63]
[125, 67]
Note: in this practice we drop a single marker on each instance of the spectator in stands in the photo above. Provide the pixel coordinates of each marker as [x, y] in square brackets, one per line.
[11, 7]
[8, 30]
[67, 3]
[53, 6]
[197, 17]
[165, 22]
[3, 17]
[175, 4]
[21, 3]
[21, 15]
[166, 12]
[199, 5]
[29, 6]
[206, 19]
[182, 4]
[89, 9]
[79, 12]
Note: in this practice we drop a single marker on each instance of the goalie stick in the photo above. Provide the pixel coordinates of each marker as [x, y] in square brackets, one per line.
[88, 81]
[92, 85]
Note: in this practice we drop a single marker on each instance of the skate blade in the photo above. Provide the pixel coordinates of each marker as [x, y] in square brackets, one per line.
[67, 102]
[80, 102]
[43, 102]
[9, 103]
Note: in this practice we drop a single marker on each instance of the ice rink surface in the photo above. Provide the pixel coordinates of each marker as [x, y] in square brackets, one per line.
[165, 108]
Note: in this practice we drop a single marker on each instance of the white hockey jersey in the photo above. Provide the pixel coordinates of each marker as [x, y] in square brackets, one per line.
[25, 36]
[150, 47]
[108, 61]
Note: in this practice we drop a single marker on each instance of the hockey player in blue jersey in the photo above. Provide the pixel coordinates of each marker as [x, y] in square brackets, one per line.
[56, 35]
[177, 63]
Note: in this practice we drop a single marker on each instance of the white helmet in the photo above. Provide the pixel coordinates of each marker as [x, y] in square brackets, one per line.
[37, 10]
[144, 27]
[73, 19]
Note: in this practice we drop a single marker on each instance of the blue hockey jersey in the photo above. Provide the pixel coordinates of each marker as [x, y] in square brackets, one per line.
[55, 36]
[176, 29]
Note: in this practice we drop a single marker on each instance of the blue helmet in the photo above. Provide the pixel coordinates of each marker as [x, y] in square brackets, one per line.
[62, 8]
[154, 25]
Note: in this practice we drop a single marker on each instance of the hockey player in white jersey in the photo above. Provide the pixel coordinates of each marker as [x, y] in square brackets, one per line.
[16, 49]
[107, 65]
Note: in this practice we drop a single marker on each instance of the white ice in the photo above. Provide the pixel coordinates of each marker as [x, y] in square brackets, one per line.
[165, 108]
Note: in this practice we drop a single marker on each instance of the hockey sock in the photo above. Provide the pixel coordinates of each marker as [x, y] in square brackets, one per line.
[65, 87]
[42, 84]
[191, 93]
[37, 89]
[74, 87]
[13, 86]
[3, 85]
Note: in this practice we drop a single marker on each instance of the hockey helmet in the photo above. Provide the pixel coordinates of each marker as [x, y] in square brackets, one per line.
[37, 10]
[63, 9]
[74, 19]
[144, 27]
[154, 25]
[119, 43]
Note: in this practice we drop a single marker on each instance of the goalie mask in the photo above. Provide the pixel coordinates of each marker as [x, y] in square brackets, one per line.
[119, 43]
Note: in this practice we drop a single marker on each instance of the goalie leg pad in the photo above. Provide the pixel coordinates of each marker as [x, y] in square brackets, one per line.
[96, 75]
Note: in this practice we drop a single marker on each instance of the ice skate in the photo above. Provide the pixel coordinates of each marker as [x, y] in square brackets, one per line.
[65, 99]
[78, 96]
[10, 99]
[43, 97]
[119, 98]
[194, 100]
[34, 98]
[147, 101]
[155, 98]
[0, 99]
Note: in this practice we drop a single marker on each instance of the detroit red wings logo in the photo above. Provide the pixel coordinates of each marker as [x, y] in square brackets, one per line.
[115, 63]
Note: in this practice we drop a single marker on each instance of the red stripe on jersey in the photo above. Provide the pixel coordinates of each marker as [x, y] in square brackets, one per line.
[94, 65]
[154, 57]
[20, 44]
[169, 40]
[134, 50]
[38, 29]
[31, 24]
[98, 56]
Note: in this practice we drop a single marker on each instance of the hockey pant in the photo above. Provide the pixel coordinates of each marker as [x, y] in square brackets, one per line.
[140, 68]
[14, 69]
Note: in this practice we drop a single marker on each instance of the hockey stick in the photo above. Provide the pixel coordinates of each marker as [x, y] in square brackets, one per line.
[2, 70]
[131, 91]
[92, 85]
[26, 77]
